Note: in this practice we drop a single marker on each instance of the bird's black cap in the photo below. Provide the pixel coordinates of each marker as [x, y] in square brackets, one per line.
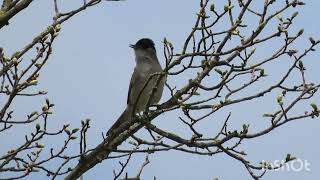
[144, 43]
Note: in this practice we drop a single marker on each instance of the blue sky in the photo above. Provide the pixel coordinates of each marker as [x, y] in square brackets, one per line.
[89, 71]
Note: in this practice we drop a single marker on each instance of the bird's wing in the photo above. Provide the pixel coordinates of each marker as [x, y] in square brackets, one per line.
[129, 90]
[134, 80]
[138, 78]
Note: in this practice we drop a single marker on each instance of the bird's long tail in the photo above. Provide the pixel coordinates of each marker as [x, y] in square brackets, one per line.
[123, 118]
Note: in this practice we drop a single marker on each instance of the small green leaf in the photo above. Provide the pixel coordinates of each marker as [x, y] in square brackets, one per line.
[33, 113]
[75, 130]
[67, 131]
[267, 115]
[47, 102]
[73, 137]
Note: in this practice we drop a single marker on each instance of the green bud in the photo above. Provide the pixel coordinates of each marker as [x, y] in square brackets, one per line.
[40, 146]
[313, 42]
[50, 29]
[287, 21]
[235, 32]
[45, 108]
[314, 106]
[58, 27]
[294, 15]
[165, 40]
[38, 127]
[301, 65]
[15, 61]
[262, 25]
[212, 7]
[66, 125]
[33, 113]
[300, 32]
[280, 29]
[227, 101]
[226, 7]
[33, 82]
[280, 100]
[253, 50]
[245, 128]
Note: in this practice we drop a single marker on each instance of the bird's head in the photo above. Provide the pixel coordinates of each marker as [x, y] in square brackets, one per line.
[144, 47]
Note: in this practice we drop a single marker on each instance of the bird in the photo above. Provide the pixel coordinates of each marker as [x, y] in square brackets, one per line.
[147, 65]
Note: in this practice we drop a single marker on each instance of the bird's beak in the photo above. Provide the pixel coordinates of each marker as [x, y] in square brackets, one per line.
[132, 46]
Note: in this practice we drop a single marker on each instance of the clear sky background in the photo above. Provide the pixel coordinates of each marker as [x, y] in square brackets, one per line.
[90, 69]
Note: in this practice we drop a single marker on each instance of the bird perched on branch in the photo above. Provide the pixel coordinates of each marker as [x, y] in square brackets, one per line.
[144, 79]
